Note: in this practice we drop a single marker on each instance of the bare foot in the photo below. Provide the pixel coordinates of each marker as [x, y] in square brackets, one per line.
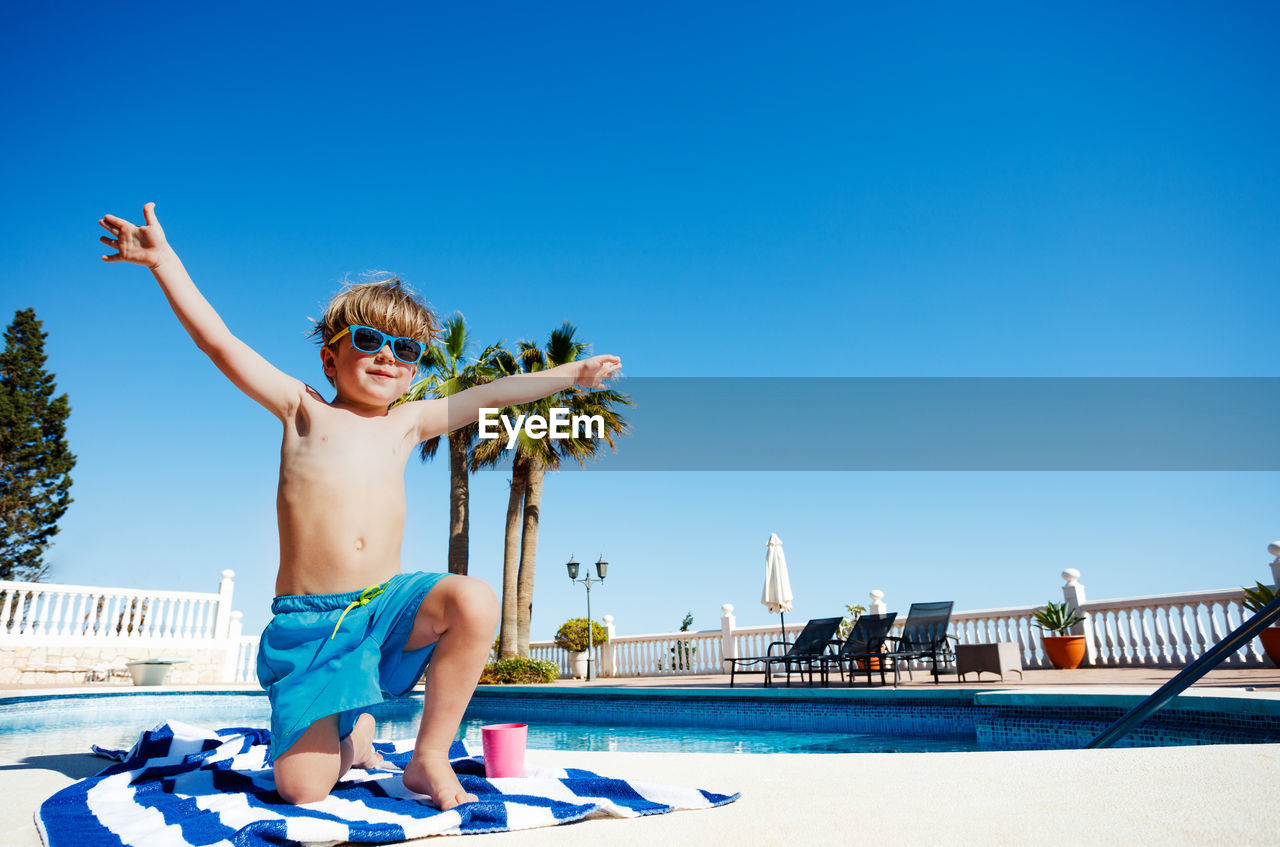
[362, 744]
[430, 773]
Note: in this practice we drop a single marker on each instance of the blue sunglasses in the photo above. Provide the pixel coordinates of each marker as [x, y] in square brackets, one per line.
[366, 339]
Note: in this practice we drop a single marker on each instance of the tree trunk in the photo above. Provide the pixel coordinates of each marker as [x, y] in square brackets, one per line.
[528, 554]
[459, 503]
[507, 634]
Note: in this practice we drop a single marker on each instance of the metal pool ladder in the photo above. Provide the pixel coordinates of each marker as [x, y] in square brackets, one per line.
[1212, 657]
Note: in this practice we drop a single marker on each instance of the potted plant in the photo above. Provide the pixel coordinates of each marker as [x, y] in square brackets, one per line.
[846, 626]
[572, 636]
[1254, 599]
[1065, 650]
[682, 651]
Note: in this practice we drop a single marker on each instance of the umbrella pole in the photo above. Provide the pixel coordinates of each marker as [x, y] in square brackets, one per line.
[782, 616]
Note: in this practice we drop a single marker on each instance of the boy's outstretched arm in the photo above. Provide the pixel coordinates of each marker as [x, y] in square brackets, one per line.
[146, 245]
[436, 417]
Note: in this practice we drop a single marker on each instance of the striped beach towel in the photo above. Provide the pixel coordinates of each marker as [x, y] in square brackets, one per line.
[184, 785]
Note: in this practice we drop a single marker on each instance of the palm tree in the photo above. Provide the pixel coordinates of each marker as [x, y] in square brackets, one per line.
[447, 374]
[533, 458]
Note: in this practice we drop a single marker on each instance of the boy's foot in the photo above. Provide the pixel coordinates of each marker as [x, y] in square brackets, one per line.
[362, 741]
[430, 773]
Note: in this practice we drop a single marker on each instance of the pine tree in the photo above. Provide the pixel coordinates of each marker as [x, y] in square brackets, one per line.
[35, 462]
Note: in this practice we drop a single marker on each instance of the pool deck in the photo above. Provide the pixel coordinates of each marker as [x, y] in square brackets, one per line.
[1171, 795]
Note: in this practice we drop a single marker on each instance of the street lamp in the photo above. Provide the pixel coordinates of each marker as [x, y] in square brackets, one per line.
[602, 567]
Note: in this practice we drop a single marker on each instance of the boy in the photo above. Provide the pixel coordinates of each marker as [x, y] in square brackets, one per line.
[347, 623]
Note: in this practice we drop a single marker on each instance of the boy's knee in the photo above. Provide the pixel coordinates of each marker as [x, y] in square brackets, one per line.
[475, 602]
[301, 797]
[300, 789]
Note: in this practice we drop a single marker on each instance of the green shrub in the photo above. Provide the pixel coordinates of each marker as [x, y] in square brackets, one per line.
[519, 671]
[572, 635]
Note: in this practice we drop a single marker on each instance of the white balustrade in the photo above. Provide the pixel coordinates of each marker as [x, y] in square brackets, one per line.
[663, 654]
[245, 651]
[1168, 630]
[31, 612]
[984, 626]
[1165, 630]
[81, 616]
[549, 652]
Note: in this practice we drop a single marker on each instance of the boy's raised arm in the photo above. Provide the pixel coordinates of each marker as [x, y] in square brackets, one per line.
[437, 417]
[252, 374]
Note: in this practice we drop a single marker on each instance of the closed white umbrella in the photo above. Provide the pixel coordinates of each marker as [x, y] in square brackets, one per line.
[776, 596]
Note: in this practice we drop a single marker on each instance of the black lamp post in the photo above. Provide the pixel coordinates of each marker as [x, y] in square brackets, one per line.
[602, 567]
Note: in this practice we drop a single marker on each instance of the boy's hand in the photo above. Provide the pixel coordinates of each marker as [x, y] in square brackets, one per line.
[594, 371]
[138, 245]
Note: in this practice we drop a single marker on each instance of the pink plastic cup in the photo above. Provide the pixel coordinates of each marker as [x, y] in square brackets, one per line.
[504, 749]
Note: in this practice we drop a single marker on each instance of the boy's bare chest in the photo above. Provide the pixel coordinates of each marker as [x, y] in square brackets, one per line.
[332, 447]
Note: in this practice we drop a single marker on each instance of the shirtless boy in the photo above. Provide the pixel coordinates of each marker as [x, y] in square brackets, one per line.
[347, 624]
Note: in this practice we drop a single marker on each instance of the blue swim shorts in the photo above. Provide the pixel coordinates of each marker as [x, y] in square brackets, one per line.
[331, 654]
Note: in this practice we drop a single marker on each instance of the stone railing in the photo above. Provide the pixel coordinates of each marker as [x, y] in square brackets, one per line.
[1168, 629]
[664, 654]
[242, 660]
[1164, 630]
[548, 651]
[48, 630]
[984, 626]
[67, 633]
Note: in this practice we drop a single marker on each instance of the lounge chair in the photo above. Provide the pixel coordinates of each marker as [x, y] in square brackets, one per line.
[811, 643]
[862, 647]
[924, 636]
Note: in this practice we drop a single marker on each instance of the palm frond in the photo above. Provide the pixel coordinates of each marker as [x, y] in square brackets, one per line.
[455, 337]
[427, 449]
[452, 386]
[420, 389]
[561, 347]
[503, 361]
[531, 357]
[487, 454]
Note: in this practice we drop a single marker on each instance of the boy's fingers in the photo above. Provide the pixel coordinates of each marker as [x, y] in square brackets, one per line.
[149, 212]
[115, 222]
[114, 257]
[110, 242]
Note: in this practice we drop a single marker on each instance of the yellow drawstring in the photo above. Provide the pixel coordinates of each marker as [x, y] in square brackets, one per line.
[364, 598]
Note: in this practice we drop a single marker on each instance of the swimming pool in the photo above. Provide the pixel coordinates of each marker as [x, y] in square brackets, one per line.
[59, 725]
[684, 720]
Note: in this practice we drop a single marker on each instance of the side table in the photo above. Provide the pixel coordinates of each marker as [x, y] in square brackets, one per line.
[998, 658]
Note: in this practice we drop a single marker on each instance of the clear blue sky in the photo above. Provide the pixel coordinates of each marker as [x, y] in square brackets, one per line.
[745, 189]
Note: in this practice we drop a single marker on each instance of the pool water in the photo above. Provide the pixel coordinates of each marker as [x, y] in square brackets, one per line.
[47, 727]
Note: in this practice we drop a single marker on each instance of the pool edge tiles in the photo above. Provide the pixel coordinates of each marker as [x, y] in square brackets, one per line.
[72, 694]
[1001, 719]
[1232, 700]
[940, 713]
[1071, 717]
[1005, 719]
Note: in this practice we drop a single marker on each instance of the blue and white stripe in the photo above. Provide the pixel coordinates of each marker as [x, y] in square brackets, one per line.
[182, 785]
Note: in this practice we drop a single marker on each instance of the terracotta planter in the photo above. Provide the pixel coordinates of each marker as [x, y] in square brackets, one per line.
[1271, 643]
[1065, 651]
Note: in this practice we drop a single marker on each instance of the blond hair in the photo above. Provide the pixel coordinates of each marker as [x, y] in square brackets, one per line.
[384, 303]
